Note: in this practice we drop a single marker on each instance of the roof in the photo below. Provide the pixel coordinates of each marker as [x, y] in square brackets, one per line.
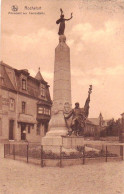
[11, 79]
[89, 122]
[39, 76]
[95, 121]
[6, 79]
[8, 66]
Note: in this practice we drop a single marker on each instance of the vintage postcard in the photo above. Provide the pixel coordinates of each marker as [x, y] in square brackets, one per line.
[62, 96]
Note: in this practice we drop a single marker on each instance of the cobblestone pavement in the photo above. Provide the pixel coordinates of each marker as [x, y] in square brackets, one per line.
[101, 178]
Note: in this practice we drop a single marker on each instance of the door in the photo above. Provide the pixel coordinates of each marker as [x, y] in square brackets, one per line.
[23, 131]
[11, 129]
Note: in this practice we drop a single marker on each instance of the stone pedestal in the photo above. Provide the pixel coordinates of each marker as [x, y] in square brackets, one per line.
[63, 143]
[71, 142]
[61, 94]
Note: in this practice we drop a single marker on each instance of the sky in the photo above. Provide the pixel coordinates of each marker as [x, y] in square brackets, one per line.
[95, 36]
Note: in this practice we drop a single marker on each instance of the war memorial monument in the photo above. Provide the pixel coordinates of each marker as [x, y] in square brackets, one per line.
[66, 123]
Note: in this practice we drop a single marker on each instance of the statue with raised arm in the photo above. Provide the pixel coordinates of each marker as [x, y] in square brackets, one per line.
[79, 116]
[61, 21]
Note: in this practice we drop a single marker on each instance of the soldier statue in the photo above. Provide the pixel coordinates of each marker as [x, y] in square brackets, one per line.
[79, 116]
[61, 21]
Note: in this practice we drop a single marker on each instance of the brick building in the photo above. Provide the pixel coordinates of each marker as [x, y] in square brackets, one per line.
[25, 105]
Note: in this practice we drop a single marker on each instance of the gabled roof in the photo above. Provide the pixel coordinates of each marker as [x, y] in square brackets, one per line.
[10, 78]
[95, 121]
[89, 122]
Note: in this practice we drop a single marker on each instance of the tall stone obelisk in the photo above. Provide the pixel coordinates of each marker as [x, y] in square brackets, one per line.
[61, 91]
[61, 88]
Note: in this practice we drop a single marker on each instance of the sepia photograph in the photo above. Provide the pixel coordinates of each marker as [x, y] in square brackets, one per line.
[62, 97]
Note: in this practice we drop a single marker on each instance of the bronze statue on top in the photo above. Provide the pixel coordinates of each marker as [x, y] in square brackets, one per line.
[61, 21]
[79, 116]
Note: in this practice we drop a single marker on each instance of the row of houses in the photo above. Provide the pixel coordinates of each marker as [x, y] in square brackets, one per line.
[25, 105]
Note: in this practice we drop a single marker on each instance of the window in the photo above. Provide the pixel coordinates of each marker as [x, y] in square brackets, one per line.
[12, 104]
[24, 84]
[40, 110]
[42, 90]
[23, 107]
[29, 128]
[46, 111]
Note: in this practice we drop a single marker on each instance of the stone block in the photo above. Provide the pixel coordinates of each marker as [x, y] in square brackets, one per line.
[51, 141]
[72, 142]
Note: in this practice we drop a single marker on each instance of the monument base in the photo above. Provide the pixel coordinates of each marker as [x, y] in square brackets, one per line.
[51, 141]
[66, 143]
[62, 131]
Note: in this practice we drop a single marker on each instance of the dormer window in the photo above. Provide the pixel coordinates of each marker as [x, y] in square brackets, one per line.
[42, 90]
[24, 84]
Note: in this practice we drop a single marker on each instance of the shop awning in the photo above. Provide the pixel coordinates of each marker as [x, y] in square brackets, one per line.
[25, 118]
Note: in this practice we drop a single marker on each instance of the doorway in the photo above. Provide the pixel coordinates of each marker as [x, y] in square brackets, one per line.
[11, 130]
[23, 131]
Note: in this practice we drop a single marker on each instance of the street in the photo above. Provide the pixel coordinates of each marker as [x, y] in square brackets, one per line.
[17, 177]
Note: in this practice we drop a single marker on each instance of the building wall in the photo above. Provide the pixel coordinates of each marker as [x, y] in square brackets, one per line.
[33, 136]
[17, 86]
[31, 108]
[6, 114]
[29, 117]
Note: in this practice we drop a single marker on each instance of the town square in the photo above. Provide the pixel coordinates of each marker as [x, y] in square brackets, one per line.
[61, 97]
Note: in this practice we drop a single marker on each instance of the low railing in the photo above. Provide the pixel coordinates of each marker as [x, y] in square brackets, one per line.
[60, 156]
